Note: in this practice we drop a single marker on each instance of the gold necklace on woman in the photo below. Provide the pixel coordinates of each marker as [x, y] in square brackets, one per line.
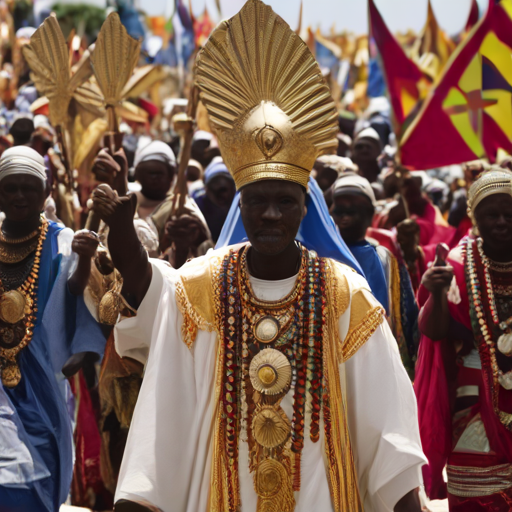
[18, 308]
[15, 250]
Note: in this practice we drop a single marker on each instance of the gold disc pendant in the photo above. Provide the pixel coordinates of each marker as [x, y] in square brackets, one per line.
[273, 485]
[12, 306]
[271, 428]
[11, 375]
[270, 477]
[270, 372]
[267, 329]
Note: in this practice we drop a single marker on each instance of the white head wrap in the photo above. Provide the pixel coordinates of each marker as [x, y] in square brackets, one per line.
[202, 135]
[155, 150]
[338, 163]
[22, 160]
[368, 133]
[348, 183]
[379, 105]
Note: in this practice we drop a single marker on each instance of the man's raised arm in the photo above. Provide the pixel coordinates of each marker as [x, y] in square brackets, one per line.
[128, 255]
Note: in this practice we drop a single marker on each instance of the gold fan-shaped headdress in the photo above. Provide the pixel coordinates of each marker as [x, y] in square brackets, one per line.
[270, 108]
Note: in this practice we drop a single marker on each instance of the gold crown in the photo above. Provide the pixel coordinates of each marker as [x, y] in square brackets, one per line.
[494, 181]
[269, 105]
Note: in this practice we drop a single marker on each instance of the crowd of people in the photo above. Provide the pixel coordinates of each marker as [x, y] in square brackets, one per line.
[271, 315]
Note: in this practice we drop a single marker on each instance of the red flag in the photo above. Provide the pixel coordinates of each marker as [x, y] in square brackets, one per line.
[403, 77]
[474, 15]
[203, 27]
[469, 113]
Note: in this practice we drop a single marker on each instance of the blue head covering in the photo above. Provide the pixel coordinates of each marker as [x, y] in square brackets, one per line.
[317, 231]
[366, 255]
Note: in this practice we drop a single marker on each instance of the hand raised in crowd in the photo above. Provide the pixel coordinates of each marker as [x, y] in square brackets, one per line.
[438, 277]
[110, 207]
[112, 170]
[408, 237]
[85, 243]
[185, 232]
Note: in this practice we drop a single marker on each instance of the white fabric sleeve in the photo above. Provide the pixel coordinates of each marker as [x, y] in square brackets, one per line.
[64, 241]
[69, 258]
[166, 457]
[133, 335]
[383, 423]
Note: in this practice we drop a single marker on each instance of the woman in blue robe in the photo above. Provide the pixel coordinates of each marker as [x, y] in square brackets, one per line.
[36, 444]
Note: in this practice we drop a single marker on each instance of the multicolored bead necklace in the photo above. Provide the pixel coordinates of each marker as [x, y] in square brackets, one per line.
[485, 320]
[270, 348]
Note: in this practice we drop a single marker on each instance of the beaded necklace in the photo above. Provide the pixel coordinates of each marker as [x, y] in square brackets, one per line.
[18, 310]
[485, 321]
[269, 348]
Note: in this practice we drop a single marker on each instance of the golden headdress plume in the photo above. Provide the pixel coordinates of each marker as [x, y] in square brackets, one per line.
[48, 58]
[114, 58]
[270, 108]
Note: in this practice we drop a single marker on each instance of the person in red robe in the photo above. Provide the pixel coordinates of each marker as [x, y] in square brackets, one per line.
[464, 370]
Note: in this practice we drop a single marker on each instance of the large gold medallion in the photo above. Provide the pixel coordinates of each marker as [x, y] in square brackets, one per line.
[11, 376]
[270, 372]
[271, 427]
[267, 329]
[270, 478]
[12, 306]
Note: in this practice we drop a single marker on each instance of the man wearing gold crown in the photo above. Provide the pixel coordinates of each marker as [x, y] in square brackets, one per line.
[272, 382]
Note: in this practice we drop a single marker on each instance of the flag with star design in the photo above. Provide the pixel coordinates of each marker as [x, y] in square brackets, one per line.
[468, 115]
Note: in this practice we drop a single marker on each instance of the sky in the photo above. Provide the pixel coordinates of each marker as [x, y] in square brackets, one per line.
[400, 15]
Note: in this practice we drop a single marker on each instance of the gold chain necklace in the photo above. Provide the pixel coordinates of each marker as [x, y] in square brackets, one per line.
[18, 310]
[289, 299]
[8, 240]
[15, 250]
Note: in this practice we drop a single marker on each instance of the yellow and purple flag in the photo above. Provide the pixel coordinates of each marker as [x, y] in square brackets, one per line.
[468, 115]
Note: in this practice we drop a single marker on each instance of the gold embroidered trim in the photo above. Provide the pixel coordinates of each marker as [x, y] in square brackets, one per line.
[219, 487]
[192, 319]
[360, 334]
[224, 488]
[189, 327]
[341, 468]
[338, 284]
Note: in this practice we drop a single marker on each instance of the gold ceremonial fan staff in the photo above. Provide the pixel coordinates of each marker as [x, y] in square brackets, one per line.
[48, 57]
